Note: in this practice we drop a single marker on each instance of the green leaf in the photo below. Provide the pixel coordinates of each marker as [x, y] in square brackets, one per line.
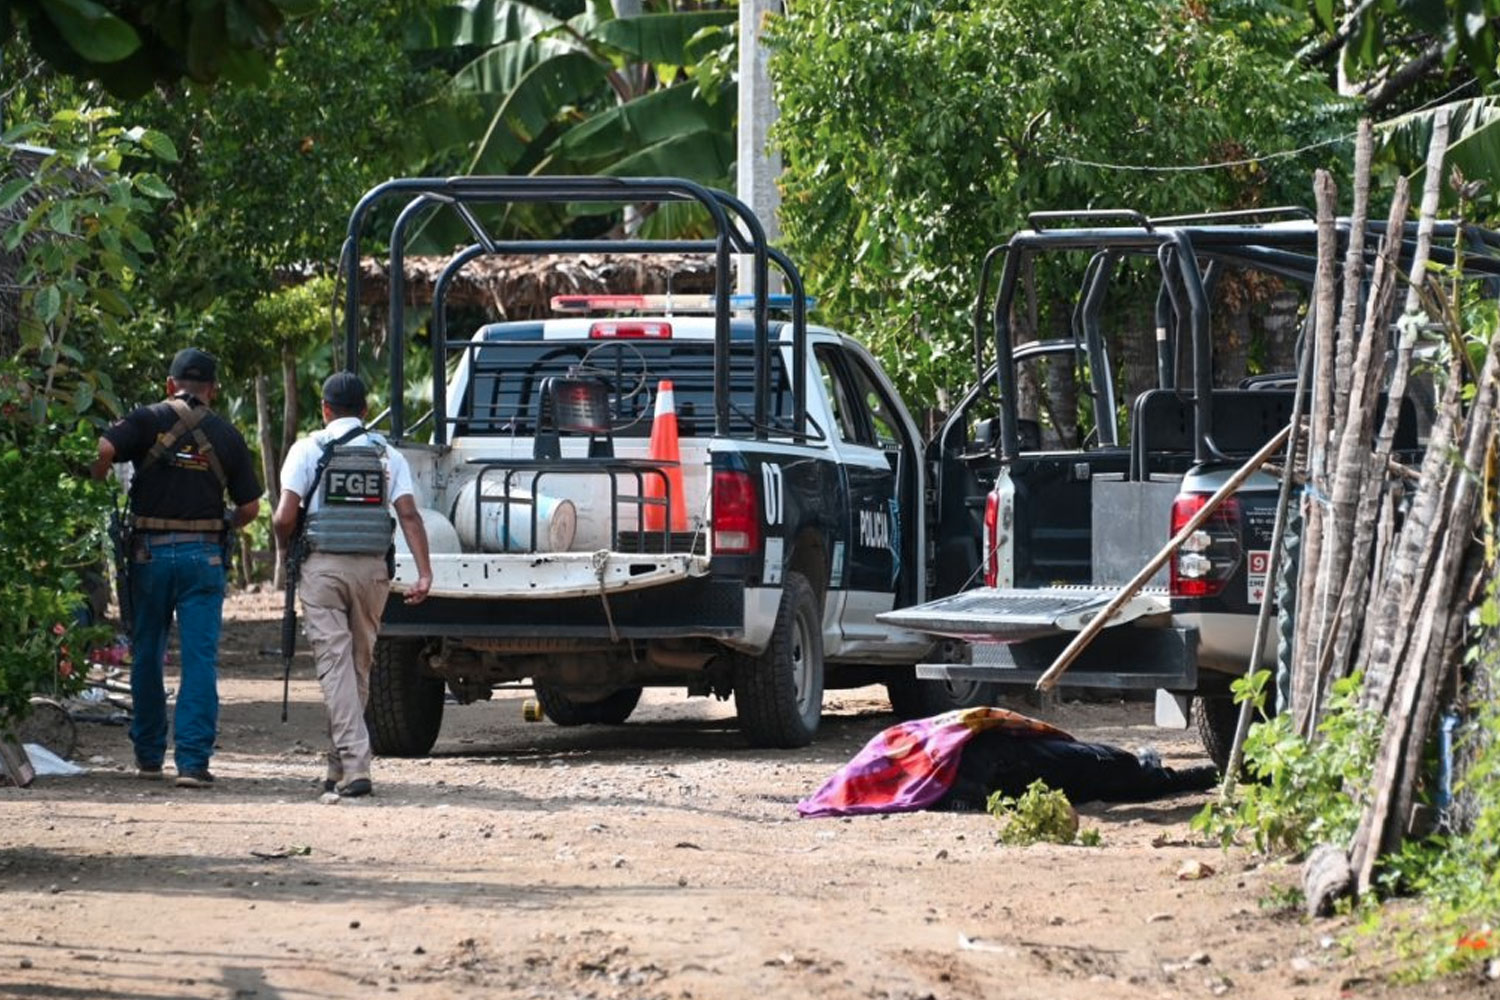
[48, 303]
[153, 186]
[159, 145]
[33, 332]
[207, 42]
[1324, 11]
[661, 38]
[91, 30]
[483, 23]
[12, 190]
[501, 69]
[645, 121]
[83, 397]
[703, 156]
[553, 84]
[112, 301]
[15, 134]
[1473, 141]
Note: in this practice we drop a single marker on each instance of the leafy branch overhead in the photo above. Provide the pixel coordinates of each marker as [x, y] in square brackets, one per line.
[539, 93]
[132, 45]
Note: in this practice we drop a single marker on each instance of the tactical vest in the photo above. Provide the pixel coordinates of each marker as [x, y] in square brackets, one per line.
[188, 419]
[353, 516]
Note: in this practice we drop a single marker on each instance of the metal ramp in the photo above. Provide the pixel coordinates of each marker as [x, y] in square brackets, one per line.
[1010, 614]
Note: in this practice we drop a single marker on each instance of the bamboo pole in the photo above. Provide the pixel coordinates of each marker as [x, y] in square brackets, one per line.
[1354, 269]
[1065, 659]
[1304, 650]
[1346, 565]
[1422, 661]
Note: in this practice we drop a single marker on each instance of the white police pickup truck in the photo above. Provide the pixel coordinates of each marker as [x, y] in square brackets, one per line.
[562, 554]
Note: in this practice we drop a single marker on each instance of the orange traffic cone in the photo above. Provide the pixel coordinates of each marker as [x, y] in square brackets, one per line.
[664, 449]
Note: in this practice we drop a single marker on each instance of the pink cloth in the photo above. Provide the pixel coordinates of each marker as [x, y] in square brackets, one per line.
[910, 765]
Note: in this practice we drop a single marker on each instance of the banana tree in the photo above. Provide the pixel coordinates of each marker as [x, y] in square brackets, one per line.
[1472, 157]
[592, 93]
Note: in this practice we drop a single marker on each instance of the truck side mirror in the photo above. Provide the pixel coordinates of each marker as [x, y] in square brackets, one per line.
[987, 432]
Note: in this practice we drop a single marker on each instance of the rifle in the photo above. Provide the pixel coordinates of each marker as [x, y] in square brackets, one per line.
[120, 538]
[289, 614]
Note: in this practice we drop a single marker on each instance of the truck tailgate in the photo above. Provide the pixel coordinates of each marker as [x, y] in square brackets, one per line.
[999, 614]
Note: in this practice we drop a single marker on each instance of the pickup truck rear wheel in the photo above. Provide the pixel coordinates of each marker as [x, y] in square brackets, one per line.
[405, 710]
[1217, 717]
[778, 695]
[915, 698]
[609, 711]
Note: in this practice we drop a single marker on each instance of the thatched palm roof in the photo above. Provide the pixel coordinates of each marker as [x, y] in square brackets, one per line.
[512, 287]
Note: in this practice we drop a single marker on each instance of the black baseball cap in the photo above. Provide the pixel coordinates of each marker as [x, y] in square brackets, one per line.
[345, 391]
[194, 365]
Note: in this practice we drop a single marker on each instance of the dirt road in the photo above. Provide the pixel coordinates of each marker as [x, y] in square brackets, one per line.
[662, 859]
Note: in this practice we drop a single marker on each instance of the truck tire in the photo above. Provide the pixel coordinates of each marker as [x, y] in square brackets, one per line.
[405, 709]
[778, 695]
[914, 698]
[1217, 717]
[564, 711]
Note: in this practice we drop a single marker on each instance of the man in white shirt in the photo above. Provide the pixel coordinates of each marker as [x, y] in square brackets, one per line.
[350, 480]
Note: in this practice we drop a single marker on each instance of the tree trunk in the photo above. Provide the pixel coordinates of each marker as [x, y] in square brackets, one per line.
[1132, 348]
[289, 415]
[1061, 390]
[270, 458]
[1232, 344]
[1279, 328]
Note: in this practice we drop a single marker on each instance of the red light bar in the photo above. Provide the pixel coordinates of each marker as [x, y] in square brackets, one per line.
[591, 303]
[611, 329]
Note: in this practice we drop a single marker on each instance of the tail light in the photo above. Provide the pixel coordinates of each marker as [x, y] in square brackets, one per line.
[736, 520]
[1209, 556]
[623, 329]
[991, 539]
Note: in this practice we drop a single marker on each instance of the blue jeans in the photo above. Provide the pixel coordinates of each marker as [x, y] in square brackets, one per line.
[186, 577]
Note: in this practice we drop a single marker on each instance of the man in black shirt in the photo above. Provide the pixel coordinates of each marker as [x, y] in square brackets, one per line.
[186, 459]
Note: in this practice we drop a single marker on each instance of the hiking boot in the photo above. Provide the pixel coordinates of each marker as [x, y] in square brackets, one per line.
[355, 789]
[195, 779]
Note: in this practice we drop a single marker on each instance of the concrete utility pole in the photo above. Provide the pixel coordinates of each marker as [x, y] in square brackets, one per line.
[757, 167]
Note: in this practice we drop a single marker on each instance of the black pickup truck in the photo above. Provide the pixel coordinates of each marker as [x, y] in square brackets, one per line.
[1054, 532]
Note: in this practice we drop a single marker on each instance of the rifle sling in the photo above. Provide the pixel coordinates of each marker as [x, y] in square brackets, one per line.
[188, 419]
[312, 490]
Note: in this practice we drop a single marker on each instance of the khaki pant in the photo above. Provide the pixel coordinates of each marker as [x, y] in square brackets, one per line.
[343, 597]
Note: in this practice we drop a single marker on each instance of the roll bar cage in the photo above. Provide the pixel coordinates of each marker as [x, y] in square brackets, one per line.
[1189, 252]
[736, 231]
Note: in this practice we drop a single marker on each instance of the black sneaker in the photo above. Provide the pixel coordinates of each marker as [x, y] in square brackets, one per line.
[355, 789]
[195, 779]
[330, 785]
[148, 772]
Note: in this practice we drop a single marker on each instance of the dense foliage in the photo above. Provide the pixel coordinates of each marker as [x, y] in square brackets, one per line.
[918, 133]
[74, 218]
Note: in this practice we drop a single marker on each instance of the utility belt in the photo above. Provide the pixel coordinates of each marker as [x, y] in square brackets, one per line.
[141, 524]
[174, 537]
